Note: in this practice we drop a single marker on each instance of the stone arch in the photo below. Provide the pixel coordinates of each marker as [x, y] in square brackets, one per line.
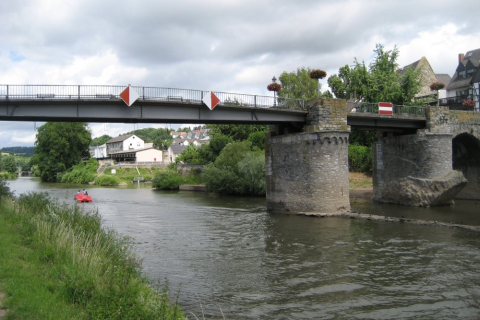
[466, 158]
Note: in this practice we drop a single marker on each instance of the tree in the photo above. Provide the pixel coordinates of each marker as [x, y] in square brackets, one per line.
[209, 152]
[238, 132]
[100, 140]
[298, 85]
[9, 164]
[161, 143]
[191, 154]
[237, 170]
[59, 146]
[152, 134]
[379, 82]
[257, 139]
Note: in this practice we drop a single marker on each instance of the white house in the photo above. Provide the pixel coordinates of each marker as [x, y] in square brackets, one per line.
[98, 152]
[126, 142]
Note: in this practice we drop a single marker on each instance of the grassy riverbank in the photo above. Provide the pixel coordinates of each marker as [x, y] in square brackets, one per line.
[57, 262]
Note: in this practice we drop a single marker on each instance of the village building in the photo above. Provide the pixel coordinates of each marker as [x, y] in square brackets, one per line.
[98, 152]
[427, 77]
[463, 90]
[173, 152]
[124, 143]
[138, 156]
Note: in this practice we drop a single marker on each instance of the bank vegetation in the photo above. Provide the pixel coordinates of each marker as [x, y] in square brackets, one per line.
[59, 262]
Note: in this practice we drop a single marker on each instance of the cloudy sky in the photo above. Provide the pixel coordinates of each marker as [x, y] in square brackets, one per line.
[229, 45]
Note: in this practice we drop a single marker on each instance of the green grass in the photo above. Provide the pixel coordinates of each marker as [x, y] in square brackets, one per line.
[58, 262]
[128, 174]
[26, 282]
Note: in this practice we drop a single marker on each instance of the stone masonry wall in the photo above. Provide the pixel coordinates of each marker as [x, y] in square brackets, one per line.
[308, 172]
[419, 155]
[415, 170]
[327, 114]
[465, 122]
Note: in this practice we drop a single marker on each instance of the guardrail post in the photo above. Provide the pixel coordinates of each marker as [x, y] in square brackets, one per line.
[255, 100]
[7, 91]
[78, 92]
[143, 93]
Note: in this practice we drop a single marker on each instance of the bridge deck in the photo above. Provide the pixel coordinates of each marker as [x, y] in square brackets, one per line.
[114, 110]
[167, 105]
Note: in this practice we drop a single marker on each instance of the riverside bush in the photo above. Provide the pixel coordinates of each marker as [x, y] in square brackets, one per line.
[237, 170]
[4, 189]
[8, 175]
[167, 179]
[81, 173]
[106, 180]
[90, 267]
[360, 158]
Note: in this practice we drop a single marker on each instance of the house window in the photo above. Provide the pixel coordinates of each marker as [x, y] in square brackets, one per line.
[462, 74]
[138, 144]
[470, 72]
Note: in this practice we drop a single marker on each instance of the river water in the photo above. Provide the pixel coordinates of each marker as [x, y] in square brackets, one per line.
[227, 255]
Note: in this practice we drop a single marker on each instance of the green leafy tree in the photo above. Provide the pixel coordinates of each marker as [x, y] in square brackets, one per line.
[338, 87]
[59, 146]
[237, 170]
[150, 134]
[161, 143]
[410, 84]
[257, 139]
[378, 82]
[298, 85]
[100, 140]
[238, 132]
[232, 154]
[191, 154]
[252, 169]
[9, 164]
[209, 152]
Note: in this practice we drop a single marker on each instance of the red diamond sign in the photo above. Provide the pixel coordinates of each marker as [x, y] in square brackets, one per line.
[211, 100]
[129, 96]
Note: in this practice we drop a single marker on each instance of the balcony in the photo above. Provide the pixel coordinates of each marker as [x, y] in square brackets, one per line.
[455, 103]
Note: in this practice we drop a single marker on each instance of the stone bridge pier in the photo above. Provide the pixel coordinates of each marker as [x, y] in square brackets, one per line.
[308, 171]
[416, 169]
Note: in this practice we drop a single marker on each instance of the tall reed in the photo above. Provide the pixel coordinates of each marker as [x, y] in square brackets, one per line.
[90, 266]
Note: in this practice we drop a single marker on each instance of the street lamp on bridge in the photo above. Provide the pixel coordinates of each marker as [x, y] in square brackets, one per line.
[275, 87]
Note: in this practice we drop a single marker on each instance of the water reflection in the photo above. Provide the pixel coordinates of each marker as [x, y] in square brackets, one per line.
[229, 253]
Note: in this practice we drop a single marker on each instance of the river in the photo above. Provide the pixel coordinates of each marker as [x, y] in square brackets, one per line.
[228, 255]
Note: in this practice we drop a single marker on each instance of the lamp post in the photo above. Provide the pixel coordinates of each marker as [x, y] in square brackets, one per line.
[274, 80]
[274, 86]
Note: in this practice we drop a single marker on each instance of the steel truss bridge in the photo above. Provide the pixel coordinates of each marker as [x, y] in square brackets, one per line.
[87, 103]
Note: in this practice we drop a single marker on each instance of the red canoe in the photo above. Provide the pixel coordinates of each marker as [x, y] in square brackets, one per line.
[80, 197]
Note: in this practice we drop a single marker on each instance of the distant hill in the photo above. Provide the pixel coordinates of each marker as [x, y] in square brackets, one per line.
[21, 151]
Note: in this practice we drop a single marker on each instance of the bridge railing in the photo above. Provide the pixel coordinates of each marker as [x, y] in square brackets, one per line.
[372, 108]
[87, 92]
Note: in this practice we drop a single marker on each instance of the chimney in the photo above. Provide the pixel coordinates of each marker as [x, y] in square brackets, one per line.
[460, 57]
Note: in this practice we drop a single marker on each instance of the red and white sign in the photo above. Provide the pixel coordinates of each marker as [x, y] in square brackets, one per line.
[385, 108]
[129, 96]
[211, 100]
